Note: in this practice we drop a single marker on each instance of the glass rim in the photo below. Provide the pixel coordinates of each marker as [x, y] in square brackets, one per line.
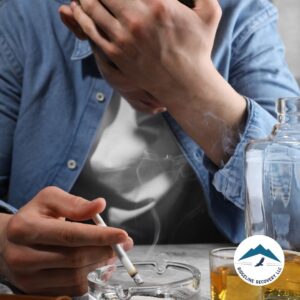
[217, 252]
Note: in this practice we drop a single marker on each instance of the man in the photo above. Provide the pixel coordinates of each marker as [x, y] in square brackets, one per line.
[65, 132]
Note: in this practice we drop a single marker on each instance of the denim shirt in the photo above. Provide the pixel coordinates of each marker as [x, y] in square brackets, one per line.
[52, 99]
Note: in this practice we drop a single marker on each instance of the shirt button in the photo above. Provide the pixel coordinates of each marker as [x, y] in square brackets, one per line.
[100, 97]
[72, 164]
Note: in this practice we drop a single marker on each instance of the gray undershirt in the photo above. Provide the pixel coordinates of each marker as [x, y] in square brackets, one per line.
[150, 189]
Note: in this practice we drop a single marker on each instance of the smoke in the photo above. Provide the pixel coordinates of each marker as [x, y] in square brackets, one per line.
[161, 172]
[230, 136]
[153, 164]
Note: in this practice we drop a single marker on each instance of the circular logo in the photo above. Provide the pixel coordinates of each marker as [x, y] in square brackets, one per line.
[259, 260]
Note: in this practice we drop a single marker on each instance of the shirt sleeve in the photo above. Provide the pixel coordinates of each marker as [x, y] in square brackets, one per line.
[10, 90]
[260, 73]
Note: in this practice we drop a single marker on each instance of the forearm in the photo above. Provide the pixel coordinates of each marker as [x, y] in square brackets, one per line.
[213, 114]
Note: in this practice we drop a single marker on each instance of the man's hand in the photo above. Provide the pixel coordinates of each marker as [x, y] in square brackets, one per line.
[161, 46]
[139, 99]
[165, 49]
[42, 253]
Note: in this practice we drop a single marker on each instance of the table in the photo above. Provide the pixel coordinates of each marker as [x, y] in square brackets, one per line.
[196, 255]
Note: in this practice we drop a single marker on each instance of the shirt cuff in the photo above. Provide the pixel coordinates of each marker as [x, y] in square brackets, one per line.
[229, 180]
[6, 208]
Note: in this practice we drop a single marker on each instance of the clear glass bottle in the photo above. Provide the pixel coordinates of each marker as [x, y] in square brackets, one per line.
[273, 179]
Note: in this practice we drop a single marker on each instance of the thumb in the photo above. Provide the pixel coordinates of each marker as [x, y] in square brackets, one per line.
[66, 15]
[56, 203]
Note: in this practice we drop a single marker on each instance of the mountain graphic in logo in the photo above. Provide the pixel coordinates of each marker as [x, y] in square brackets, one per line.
[259, 250]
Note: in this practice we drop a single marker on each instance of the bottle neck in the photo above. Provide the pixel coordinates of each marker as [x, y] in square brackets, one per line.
[288, 111]
[288, 116]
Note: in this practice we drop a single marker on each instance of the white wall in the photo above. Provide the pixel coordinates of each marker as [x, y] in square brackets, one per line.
[289, 27]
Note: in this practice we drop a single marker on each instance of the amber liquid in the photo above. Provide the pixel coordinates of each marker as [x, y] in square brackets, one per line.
[287, 286]
[227, 285]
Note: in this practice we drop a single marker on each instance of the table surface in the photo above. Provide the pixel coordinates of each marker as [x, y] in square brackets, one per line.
[196, 255]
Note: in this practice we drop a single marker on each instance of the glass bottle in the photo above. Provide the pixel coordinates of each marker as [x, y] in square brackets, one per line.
[273, 179]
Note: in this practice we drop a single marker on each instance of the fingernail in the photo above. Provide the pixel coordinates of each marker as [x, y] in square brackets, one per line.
[129, 244]
[73, 4]
[122, 236]
[160, 110]
[98, 199]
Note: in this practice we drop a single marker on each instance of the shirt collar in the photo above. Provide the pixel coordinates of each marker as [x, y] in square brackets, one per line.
[82, 49]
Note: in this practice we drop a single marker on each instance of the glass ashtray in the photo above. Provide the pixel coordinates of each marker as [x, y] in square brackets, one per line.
[171, 280]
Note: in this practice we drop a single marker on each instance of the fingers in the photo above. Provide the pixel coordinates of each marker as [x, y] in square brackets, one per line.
[23, 259]
[138, 98]
[55, 269]
[111, 73]
[57, 232]
[72, 291]
[66, 15]
[72, 282]
[146, 108]
[88, 26]
[144, 102]
[110, 56]
[104, 30]
[116, 7]
[54, 202]
[128, 245]
[100, 15]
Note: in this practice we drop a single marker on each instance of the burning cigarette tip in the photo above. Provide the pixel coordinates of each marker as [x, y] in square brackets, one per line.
[138, 279]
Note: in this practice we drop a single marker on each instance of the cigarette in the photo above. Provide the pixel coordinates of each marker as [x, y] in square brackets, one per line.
[123, 257]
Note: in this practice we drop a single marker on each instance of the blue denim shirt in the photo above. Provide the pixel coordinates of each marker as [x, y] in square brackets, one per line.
[50, 108]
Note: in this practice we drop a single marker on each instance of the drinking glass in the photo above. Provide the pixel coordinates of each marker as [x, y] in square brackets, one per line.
[225, 282]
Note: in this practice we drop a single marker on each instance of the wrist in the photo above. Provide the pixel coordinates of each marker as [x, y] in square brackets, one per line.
[212, 108]
[206, 88]
[199, 85]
